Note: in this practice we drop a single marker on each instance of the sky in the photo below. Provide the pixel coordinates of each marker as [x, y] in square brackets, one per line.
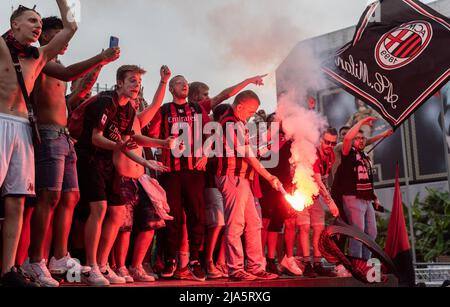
[219, 42]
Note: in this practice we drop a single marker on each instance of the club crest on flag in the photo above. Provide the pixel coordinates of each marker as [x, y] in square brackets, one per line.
[402, 45]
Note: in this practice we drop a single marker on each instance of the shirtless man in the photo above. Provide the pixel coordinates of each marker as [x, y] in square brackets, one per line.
[17, 162]
[56, 173]
[132, 187]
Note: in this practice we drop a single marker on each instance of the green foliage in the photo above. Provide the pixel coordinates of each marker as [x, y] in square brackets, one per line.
[432, 225]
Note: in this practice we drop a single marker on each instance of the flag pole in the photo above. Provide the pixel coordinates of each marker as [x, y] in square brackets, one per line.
[408, 198]
[444, 136]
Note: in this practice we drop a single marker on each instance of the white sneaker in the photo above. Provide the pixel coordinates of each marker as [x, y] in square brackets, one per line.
[148, 268]
[40, 273]
[341, 271]
[111, 276]
[139, 274]
[95, 278]
[61, 266]
[289, 266]
[123, 272]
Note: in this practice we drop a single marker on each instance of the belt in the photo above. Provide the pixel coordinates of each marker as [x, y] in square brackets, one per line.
[59, 129]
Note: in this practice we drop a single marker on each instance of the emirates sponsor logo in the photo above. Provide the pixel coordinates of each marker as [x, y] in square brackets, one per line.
[402, 45]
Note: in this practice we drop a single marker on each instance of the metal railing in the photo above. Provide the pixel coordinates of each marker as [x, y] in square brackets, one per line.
[432, 274]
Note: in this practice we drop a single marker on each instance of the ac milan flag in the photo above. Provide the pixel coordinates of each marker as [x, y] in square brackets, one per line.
[397, 63]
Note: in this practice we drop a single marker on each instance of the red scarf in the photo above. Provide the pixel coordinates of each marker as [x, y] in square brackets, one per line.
[18, 48]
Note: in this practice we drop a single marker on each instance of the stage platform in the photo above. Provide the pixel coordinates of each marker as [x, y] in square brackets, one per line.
[282, 282]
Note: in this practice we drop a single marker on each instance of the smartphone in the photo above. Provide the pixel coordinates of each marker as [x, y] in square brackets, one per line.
[113, 42]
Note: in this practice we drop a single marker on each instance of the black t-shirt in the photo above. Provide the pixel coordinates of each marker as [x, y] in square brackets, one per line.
[282, 171]
[354, 176]
[106, 115]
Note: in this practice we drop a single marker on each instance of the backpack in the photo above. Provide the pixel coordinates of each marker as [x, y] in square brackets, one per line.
[76, 120]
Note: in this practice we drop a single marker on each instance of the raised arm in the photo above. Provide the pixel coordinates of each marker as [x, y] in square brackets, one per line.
[147, 115]
[77, 70]
[234, 90]
[61, 39]
[84, 87]
[351, 134]
[380, 136]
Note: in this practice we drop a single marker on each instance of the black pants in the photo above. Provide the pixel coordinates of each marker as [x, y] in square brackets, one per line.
[185, 195]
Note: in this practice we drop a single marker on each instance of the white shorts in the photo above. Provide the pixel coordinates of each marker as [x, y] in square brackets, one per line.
[214, 216]
[16, 156]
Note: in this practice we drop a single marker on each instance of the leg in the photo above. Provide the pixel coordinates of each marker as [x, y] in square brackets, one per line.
[194, 206]
[24, 241]
[93, 230]
[370, 228]
[253, 226]
[143, 241]
[355, 214]
[12, 227]
[234, 207]
[40, 223]
[63, 222]
[121, 248]
[304, 241]
[111, 226]
[289, 236]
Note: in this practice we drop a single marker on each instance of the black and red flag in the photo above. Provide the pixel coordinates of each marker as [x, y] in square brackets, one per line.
[396, 63]
[397, 242]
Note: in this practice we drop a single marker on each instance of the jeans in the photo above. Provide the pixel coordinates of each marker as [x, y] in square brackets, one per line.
[361, 214]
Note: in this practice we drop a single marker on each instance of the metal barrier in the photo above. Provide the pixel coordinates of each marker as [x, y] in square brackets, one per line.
[432, 274]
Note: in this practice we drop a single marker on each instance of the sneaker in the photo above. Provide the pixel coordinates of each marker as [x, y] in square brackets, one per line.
[94, 277]
[196, 269]
[169, 268]
[265, 275]
[309, 271]
[222, 267]
[111, 276]
[321, 271]
[341, 271]
[123, 272]
[148, 268]
[16, 278]
[212, 272]
[61, 266]
[290, 267]
[242, 275]
[183, 274]
[140, 275]
[39, 272]
[272, 267]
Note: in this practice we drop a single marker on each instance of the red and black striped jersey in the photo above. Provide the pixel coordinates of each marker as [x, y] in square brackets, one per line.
[185, 121]
[232, 164]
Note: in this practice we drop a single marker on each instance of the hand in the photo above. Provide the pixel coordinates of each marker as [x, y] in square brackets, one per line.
[130, 144]
[333, 208]
[275, 183]
[170, 142]
[258, 80]
[165, 73]
[368, 121]
[201, 164]
[155, 165]
[110, 55]
[388, 133]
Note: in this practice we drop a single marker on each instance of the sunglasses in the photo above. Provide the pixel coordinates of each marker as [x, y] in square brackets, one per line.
[24, 8]
[329, 143]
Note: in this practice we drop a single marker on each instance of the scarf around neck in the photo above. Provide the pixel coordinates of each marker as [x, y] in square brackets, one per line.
[18, 48]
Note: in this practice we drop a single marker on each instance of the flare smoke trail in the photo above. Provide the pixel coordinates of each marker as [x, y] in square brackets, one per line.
[301, 125]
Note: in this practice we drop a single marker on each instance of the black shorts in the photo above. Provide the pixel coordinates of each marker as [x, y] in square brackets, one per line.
[96, 179]
[275, 208]
[140, 212]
